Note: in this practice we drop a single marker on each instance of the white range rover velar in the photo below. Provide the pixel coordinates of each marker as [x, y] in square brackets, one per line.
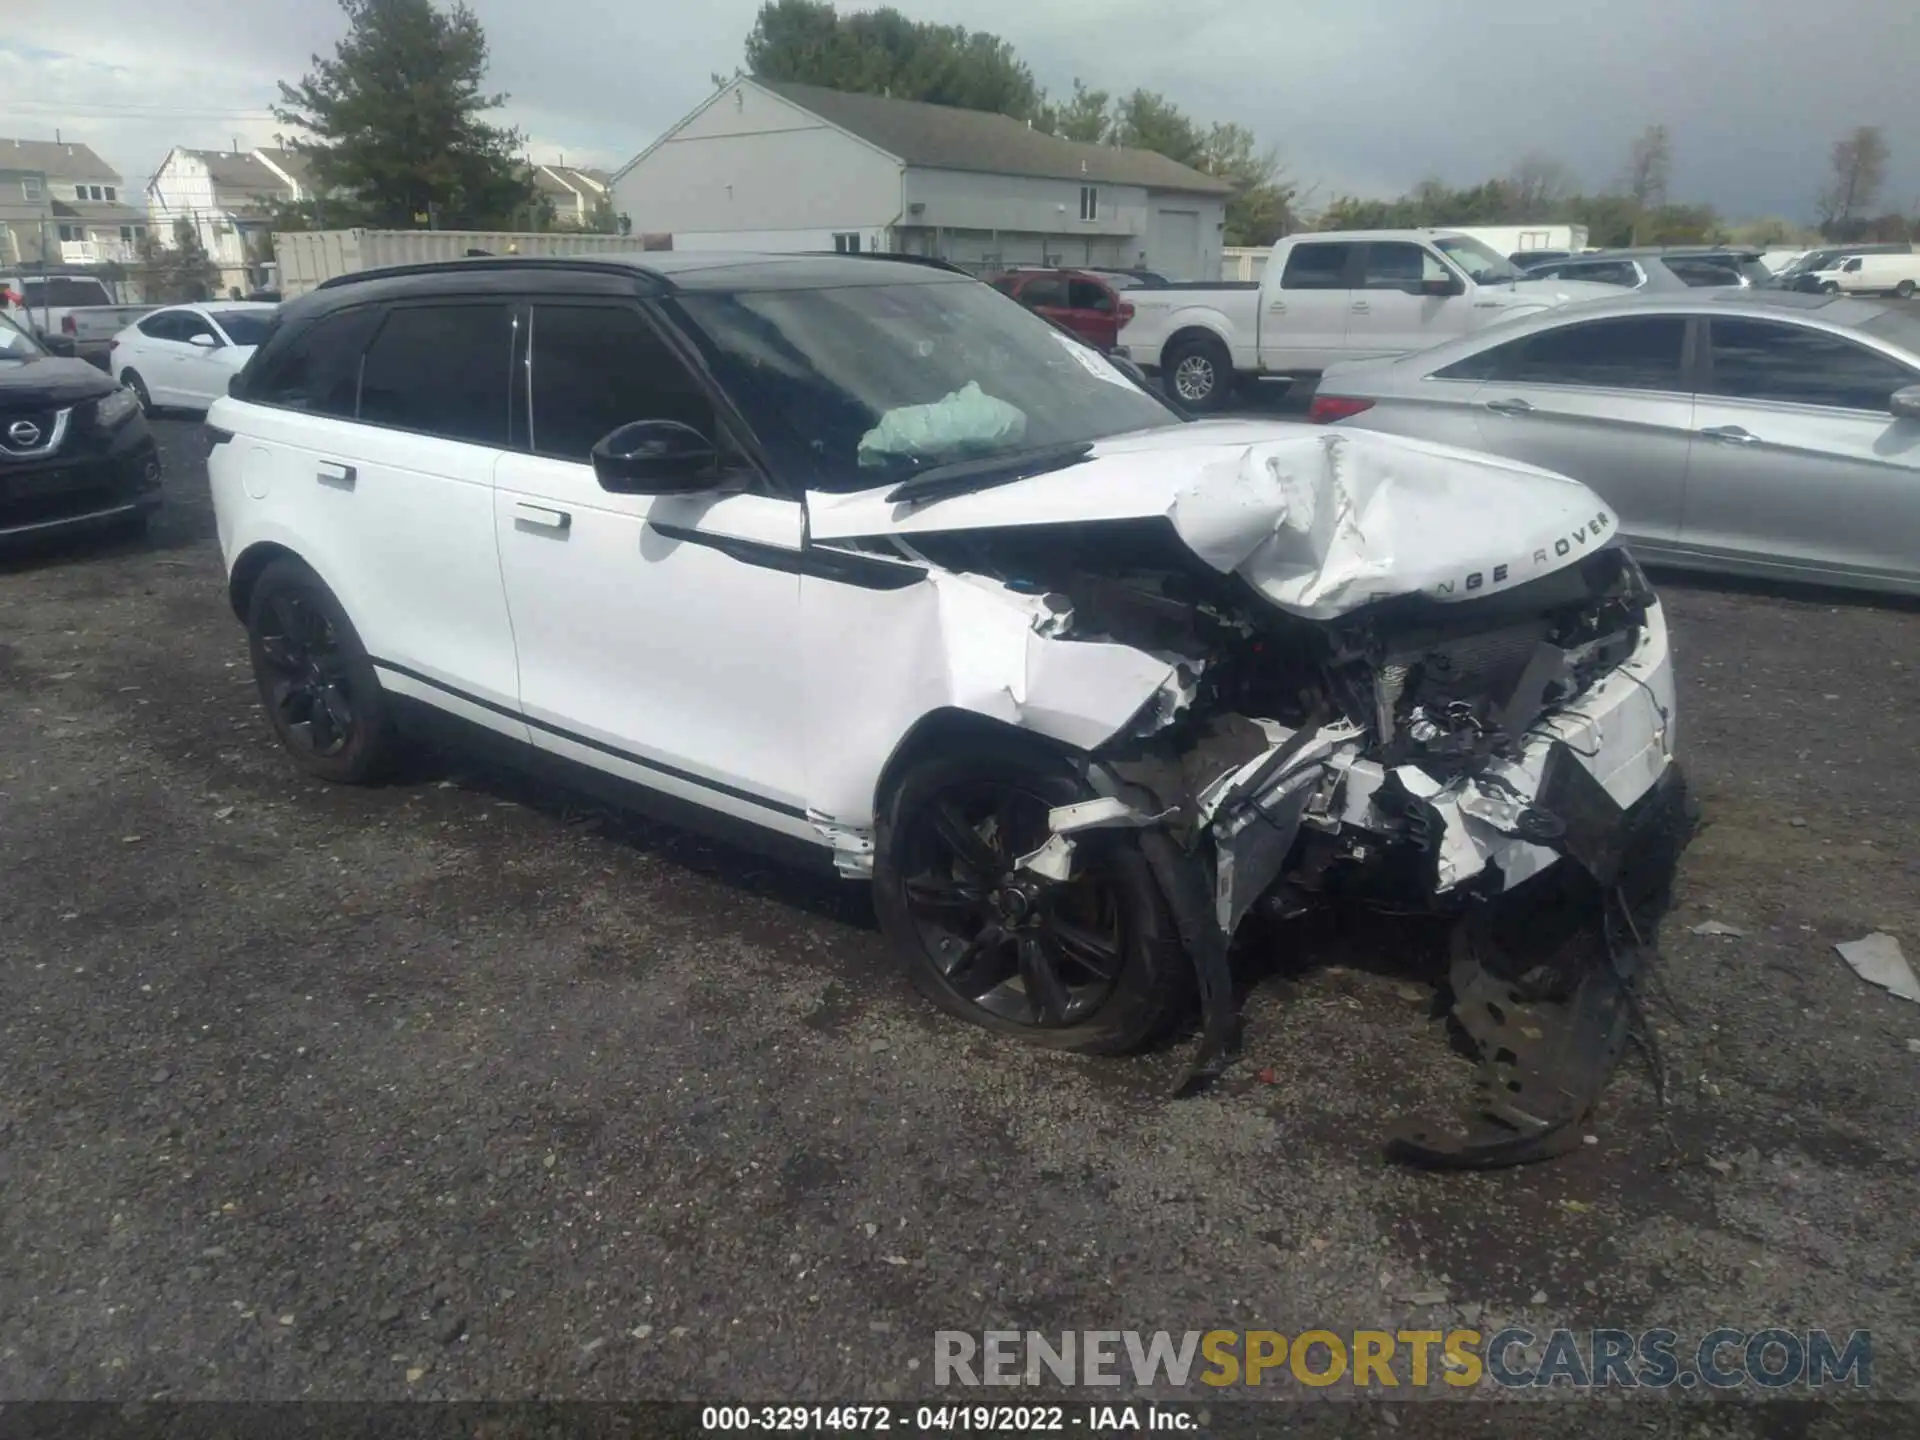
[854, 555]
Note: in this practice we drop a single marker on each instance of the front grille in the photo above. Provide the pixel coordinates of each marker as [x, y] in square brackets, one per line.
[1478, 667]
[15, 443]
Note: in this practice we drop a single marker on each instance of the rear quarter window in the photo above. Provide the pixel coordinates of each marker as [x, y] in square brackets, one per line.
[314, 367]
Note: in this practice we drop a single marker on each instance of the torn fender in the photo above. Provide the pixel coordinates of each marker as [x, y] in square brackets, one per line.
[1319, 521]
[883, 660]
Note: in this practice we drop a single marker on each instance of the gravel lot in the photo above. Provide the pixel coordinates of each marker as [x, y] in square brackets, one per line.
[459, 1089]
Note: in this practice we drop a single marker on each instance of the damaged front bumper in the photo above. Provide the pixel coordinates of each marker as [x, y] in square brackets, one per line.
[1312, 810]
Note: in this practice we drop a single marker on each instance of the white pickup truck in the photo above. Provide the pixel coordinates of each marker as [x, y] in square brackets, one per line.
[71, 314]
[1327, 296]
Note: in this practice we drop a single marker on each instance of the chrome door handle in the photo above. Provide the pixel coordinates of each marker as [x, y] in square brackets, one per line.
[1277, 307]
[1729, 435]
[541, 518]
[332, 472]
[1515, 406]
[1361, 306]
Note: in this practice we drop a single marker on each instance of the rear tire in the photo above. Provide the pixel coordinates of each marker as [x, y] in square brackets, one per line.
[1092, 966]
[1904, 289]
[1199, 373]
[1831, 287]
[319, 689]
[131, 379]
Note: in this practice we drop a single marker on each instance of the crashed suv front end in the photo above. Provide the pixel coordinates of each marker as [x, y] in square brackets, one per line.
[1394, 673]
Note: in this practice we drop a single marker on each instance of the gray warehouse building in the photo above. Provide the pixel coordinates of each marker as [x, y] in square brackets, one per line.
[768, 165]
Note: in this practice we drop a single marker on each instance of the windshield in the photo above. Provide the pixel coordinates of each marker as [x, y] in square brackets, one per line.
[16, 344]
[867, 384]
[243, 327]
[1486, 266]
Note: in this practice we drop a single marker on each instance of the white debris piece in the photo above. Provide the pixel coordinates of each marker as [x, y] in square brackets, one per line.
[1877, 960]
[1717, 927]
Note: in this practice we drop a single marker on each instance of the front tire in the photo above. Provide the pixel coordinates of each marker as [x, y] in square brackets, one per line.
[131, 379]
[1904, 289]
[1199, 373]
[1092, 965]
[1831, 287]
[319, 689]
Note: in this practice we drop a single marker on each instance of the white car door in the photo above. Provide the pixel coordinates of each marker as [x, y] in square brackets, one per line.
[163, 356]
[199, 369]
[1303, 323]
[1392, 310]
[372, 452]
[656, 632]
[1797, 458]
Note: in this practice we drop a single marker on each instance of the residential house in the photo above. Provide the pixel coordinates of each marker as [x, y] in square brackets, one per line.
[61, 204]
[766, 165]
[230, 198]
[576, 195]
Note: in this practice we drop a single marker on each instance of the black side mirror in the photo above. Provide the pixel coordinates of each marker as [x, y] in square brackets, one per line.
[1446, 285]
[1132, 371]
[1905, 403]
[655, 457]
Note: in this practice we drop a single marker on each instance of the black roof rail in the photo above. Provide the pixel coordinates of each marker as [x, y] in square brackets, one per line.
[927, 260]
[483, 261]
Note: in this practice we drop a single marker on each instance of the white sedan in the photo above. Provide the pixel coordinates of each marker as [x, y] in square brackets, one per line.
[184, 355]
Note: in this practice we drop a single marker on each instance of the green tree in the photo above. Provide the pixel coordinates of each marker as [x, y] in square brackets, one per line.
[173, 275]
[397, 121]
[1146, 120]
[882, 52]
[1260, 209]
[1859, 169]
[1087, 117]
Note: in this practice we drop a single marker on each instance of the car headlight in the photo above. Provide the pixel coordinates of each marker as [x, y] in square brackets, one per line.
[114, 408]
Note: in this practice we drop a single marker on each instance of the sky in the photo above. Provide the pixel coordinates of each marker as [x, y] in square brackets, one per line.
[1364, 97]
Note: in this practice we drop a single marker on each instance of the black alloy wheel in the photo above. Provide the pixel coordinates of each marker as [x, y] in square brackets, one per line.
[1092, 964]
[1019, 947]
[306, 680]
[315, 680]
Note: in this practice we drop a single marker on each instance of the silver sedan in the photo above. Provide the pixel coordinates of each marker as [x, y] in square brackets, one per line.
[1746, 431]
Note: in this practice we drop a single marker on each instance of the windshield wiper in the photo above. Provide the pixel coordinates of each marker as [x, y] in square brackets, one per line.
[963, 476]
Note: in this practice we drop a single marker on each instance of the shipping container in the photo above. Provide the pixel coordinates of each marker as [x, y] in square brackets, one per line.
[306, 258]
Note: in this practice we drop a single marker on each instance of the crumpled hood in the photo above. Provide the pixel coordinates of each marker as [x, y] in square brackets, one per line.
[1319, 521]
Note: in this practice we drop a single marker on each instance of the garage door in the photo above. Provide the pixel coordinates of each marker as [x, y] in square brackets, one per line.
[1176, 250]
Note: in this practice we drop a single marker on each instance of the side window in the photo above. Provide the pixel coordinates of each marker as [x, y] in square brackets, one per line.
[187, 325]
[1636, 354]
[1769, 360]
[1007, 284]
[1396, 265]
[1607, 272]
[1089, 295]
[1044, 290]
[596, 369]
[1316, 265]
[315, 369]
[1484, 365]
[162, 326]
[441, 369]
[1703, 274]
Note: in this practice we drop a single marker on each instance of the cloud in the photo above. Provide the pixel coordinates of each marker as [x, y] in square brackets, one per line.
[1366, 96]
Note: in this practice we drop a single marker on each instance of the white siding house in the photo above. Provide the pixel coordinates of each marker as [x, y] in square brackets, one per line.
[774, 166]
[229, 197]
